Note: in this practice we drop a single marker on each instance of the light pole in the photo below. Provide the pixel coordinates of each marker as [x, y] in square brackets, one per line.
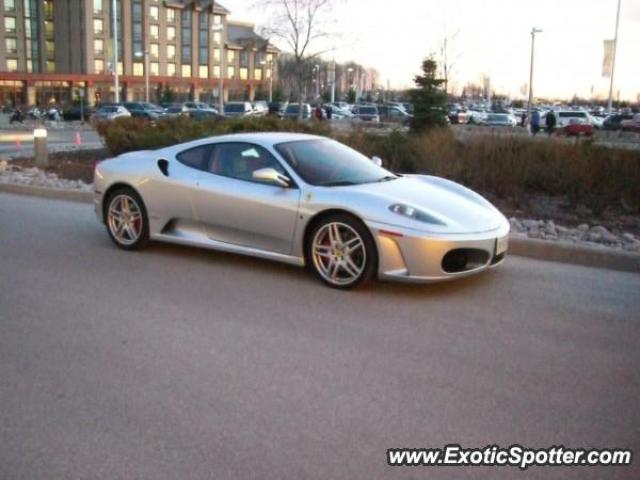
[613, 59]
[533, 42]
[145, 55]
[115, 51]
[217, 27]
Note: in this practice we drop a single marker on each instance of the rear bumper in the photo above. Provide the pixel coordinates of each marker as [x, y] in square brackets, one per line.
[411, 256]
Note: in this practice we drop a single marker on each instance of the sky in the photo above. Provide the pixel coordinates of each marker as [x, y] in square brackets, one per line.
[486, 38]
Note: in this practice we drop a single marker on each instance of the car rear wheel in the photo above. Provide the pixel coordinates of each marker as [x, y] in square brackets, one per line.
[341, 252]
[126, 219]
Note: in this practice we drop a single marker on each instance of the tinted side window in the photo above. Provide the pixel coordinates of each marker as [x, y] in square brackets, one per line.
[196, 157]
[240, 160]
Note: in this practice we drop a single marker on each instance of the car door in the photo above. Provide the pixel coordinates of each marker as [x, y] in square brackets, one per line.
[234, 208]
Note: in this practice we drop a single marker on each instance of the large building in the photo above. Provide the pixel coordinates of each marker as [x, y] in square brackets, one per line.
[51, 51]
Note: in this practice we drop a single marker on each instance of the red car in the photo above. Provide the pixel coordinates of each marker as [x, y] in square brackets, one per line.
[576, 127]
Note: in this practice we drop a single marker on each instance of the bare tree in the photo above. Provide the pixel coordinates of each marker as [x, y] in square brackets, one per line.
[299, 24]
[448, 58]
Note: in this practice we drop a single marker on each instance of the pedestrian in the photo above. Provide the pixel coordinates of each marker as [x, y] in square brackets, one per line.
[523, 119]
[318, 113]
[329, 111]
[550, 122]
[535, 122]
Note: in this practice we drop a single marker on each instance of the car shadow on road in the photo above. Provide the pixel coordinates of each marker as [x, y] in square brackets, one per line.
[304, 279]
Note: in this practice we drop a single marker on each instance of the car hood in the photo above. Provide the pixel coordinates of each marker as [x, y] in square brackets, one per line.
[458, 209]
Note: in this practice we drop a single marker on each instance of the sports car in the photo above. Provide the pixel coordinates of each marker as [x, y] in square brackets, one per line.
[302, 199]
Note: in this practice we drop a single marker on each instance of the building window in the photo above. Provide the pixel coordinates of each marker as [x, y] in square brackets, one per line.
[257, 74]
[217, 19]
[98, 26]
[231, 56]
[98, 66]
[186, 37]
[153, 13]
[171, 69]
[48, 29]
[244, 73]
[153, 32]
[11, 45]
[48, 8]
[98, 46]
[51, 48]
[97, 7]
[231, 72]
[138, 69]
[171, 15]
[186, 71]
[120, 68]
[9, 5]
[203, 71]
[136, 13]
[51, 66]
[203, 39]
[217, 38]
[171, 34]
[216, 71]
[244, 58]
[216, 55]
[9, 24]
[12, 65]
[154, 68]
[154, 50]
[171, 52]
[267, 73]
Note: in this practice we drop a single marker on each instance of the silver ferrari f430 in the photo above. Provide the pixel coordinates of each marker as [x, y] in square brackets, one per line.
[304, 200]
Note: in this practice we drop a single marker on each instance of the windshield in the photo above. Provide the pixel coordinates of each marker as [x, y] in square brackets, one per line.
[109, 109]
[234, 107]
[292, 109]
[368, 110]
[329, 163]
[573, 115]
[498, 118]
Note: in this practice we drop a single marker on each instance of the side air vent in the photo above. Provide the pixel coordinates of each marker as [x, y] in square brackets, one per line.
[163, 165]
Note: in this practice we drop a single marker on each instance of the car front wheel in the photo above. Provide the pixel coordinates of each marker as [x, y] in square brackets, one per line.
[126, 219]
[342, 252]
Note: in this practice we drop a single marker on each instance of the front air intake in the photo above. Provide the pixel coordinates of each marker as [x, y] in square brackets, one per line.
[464, 259]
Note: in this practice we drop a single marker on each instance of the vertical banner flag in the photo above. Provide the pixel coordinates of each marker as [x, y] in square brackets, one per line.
[607, 61]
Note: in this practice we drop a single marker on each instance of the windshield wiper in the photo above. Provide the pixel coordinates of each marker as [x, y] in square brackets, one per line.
[387, 178]
[337, 183]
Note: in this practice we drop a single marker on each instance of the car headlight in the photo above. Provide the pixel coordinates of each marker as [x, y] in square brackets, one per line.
[414, 214]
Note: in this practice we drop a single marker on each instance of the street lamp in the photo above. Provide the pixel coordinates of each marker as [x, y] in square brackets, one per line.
[115, 51]
[217, 27]
[533, 42]
[269, 65]
[145, 55]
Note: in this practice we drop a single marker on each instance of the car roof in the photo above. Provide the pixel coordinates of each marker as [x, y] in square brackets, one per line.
[264, 139]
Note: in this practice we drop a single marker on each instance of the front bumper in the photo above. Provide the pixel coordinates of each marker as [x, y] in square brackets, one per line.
[412, 256]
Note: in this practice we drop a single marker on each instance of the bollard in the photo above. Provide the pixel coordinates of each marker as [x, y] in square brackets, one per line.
[40, 146]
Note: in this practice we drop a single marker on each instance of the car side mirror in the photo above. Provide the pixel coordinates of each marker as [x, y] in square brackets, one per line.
[377, 161]
[271, 175]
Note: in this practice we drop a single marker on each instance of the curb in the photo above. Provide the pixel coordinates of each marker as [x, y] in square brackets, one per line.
[44, 192]
[565, 252]
[562, 252]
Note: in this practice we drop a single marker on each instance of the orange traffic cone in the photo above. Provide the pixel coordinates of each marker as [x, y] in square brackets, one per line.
[18, 143]
[78, 139]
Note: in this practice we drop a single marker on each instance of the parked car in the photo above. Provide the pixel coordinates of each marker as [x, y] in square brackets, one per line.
[500, 120]
[576, 127]
[145, 110]
[392, 113]
[291, 112]
[300, 199]
[366, 113]
[75, 113]
[277, 108]
[110, 112]
[176, 110]
[614, 121]
[260, 108]
[476, 117]
[338, 113]
[199, 107]
[564, 117]
[632, 125]
[238, 109]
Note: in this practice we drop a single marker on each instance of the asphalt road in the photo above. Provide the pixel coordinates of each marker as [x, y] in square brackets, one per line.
[180, 363]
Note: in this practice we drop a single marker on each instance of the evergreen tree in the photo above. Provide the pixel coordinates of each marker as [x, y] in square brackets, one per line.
[429, 98]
